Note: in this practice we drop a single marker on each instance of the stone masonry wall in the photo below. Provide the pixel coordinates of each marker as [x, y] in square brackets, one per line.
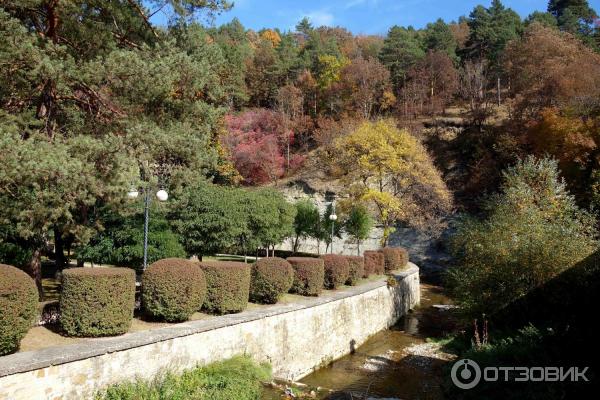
[295, 338]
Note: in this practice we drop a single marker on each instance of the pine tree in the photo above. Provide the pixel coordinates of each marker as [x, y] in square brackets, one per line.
[92, 100]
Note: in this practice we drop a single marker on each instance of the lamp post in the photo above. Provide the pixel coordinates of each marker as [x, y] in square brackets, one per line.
[332, 218]
[161, 195]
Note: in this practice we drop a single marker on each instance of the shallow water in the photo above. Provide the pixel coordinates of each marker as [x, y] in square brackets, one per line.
[380, 369]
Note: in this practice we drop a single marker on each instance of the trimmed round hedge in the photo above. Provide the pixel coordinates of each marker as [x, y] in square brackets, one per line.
[227, 286]
[97, 301]
[357, 269]
[395, 258]
[173, 289]
[18, 307]
[309, 275]
[374, 263]
[337, 270]
[271, 278]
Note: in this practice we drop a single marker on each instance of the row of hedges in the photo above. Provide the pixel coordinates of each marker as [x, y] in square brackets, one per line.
[100, 301]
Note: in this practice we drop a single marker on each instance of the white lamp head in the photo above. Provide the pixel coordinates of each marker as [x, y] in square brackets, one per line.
[333, 217]
[133, 193]
[162, 195]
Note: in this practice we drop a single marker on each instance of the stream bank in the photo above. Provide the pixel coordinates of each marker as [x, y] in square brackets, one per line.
[398, 363]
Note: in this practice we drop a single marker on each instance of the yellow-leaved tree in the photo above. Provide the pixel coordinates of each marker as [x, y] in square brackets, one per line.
[271, 36]
[389, 170]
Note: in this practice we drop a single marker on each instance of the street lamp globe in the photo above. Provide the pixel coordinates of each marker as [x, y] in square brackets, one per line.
[162, 195]
[333, 217]
[133, 193]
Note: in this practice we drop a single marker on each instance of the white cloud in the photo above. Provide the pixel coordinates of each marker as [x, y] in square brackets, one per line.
[320, 17]
[354, 3]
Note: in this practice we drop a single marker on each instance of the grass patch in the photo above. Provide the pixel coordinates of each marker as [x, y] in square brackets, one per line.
[238, 378]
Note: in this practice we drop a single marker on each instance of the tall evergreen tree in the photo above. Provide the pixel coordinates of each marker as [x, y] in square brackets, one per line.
[92, 96]
[401, 50]
[576, 17]
[438, 37]
[491, 29]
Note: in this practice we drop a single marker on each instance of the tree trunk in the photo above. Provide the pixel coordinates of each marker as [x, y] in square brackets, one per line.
[35, 271]
[498, 90]
[59, 250]
[288, 151]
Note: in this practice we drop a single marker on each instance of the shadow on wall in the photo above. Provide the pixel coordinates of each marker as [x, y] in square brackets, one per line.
[404, 298]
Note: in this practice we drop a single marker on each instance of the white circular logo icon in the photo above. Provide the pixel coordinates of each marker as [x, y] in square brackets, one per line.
[466, 374]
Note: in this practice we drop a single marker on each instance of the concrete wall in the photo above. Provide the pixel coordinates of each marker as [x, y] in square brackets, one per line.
[295, 338]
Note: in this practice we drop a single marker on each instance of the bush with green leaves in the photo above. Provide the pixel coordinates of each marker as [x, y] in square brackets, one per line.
[271, 278]
[18, 307]
[269, 218]
[394, 258]
[12, 250]
[227, 286]
[357, 269]
[122, 241]
[531, 231]
[97, 301]
[358, 224]
[306, 222]
[173, 289]
[337, 270]
[374, 263]
[212, 219]
[309, 275]
[238, 378]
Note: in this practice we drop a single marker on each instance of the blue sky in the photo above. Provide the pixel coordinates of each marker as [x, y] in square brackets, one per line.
[361, 16]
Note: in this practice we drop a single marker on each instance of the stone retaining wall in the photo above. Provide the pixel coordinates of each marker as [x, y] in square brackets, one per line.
[294, 338]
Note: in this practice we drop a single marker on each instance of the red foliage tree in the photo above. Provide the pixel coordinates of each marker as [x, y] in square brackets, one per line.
[256, 140]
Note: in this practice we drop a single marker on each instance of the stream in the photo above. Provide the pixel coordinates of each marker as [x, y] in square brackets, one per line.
[397, 363]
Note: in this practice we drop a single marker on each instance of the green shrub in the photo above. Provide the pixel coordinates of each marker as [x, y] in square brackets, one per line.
[18, 307]
[227, 286]
[122, 241]
[533, 230]
[337, 270]
[309, 275]
[374, 263]
[97, 301]
[394, 257]
[212, 218]
[357, 269]
[173, 289]
[238, 378]
[271, 278]
[13, 253]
